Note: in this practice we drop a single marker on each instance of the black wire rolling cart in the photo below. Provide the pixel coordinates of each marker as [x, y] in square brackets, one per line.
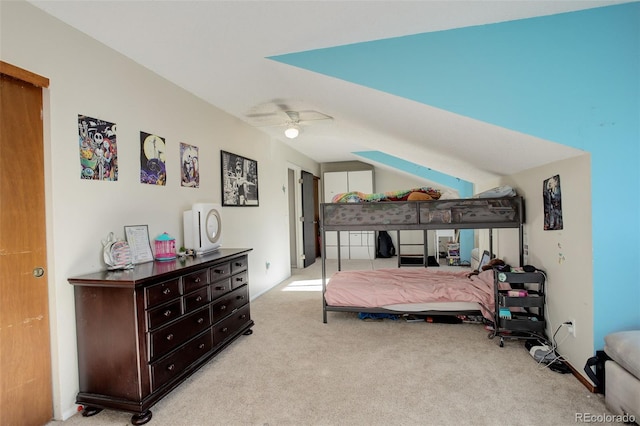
[519, 301]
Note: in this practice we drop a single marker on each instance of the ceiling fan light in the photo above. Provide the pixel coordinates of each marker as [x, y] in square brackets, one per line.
[292, 132]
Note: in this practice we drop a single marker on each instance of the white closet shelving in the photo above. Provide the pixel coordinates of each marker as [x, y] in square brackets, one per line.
[353, 244]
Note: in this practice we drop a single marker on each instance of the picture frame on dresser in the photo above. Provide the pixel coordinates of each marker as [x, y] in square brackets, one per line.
[138, 238]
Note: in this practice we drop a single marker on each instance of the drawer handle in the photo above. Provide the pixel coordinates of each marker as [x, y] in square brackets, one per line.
[239, 279]
[221, 288]
[219, 271]
[166, 290]
[243, 316]
[201, 346]
[197, 280]
[170, 337]
[238, 264]
[200, 320]
[199, 299]
[171, 367]
[240, 297]
[167, 313]
[224, 330]
[223, 307]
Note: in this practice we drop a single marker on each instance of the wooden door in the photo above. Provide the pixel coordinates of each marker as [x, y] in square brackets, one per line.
[25, 354]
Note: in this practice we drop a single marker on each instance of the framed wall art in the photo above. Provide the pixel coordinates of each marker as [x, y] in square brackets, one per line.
[239, 180]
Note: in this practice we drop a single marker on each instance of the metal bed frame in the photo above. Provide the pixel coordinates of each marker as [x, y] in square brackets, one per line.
[468, 213]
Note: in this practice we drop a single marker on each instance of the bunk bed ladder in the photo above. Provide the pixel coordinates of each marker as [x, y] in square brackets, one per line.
[412, 259]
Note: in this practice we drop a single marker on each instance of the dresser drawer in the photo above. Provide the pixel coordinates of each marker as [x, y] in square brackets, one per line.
[239, 279]
[240, 264]
[195, 280]
[230, 326]
[160, 293]
[226, 304]
[170, 367]
[219, 272]
[167, 338]
[195, 300]
[219, 288]
[164, 314]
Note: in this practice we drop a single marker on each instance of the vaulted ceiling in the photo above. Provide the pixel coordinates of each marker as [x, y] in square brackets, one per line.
[249, 58]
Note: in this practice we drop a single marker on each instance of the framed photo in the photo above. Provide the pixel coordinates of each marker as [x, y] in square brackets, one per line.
[239, 180]
[138, 239]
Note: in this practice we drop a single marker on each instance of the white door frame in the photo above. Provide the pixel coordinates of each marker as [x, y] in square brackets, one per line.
[297, 188]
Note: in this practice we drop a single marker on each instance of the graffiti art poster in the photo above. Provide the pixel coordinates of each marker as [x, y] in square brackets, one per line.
[152, 159]
[552, 197]
[190, 174]
[98, 149]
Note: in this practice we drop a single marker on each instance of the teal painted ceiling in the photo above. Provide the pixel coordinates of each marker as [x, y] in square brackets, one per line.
[556, 77]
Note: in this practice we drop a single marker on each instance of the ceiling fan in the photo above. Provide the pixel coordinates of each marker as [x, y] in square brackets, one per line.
[284, 116]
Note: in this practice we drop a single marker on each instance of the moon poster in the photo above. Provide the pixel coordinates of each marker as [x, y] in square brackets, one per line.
[98, 149]
[152, 159]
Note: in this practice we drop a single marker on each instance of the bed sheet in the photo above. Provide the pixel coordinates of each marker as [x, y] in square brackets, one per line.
[401, 286]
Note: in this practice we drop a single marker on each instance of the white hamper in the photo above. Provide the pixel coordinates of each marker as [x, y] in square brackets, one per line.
[622, 373]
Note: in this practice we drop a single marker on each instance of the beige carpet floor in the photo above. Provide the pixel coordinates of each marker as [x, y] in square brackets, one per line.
[295, 370]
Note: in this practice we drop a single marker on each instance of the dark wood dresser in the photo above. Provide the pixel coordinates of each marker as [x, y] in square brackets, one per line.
[141, 332]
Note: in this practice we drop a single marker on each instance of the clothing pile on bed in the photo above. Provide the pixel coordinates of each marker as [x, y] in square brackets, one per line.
[415, 194]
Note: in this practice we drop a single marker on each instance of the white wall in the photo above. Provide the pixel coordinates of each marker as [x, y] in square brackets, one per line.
[565, 255]
[387, 180]
[88, 78]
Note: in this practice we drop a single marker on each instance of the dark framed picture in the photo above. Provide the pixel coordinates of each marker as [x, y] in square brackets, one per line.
[239, 180]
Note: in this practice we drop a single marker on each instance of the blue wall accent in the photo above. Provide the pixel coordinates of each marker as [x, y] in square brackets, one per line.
[464, 188]
[571, 78]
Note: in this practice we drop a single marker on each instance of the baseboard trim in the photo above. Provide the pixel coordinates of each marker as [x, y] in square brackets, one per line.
[587, 384]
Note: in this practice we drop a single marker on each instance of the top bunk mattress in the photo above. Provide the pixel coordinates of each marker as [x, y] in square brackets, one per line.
[384, 287]
[462, 213]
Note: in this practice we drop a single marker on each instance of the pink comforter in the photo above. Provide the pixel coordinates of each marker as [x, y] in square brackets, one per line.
[382, 287]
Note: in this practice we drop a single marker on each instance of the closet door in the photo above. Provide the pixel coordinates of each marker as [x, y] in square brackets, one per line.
[361, 243]
[360, 181]
[335, 183]
[25, 355]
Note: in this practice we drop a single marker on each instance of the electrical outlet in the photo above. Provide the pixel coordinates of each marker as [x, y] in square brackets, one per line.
[571, 328]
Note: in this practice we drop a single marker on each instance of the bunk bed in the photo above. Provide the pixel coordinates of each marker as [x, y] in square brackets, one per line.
[472, 213]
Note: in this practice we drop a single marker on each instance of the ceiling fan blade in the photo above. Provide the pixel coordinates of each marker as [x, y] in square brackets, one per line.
[294, 116]
[268, 118]
[313, 116]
